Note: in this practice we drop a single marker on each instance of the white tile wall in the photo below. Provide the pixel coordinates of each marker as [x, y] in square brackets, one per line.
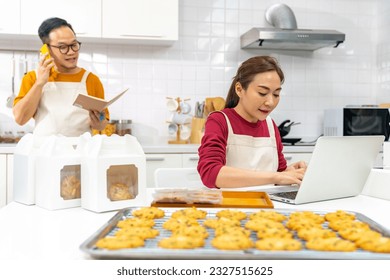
[204, 60]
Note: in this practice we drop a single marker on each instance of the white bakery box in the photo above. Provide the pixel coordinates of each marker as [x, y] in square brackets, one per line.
[113, 173]
[58, 172]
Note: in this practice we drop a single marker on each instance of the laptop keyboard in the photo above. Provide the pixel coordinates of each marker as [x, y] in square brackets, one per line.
[289, 195]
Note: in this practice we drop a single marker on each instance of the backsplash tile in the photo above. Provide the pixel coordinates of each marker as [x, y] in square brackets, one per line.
[203, 62]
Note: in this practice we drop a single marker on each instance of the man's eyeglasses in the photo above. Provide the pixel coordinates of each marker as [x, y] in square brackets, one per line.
[64, 49]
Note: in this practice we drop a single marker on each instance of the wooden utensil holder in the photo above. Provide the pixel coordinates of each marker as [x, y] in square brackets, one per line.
[197, 130]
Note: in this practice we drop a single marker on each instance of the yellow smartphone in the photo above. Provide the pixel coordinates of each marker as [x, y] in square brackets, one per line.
[45, 50]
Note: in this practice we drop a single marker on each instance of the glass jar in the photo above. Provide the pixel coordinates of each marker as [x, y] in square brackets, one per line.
[123, 127]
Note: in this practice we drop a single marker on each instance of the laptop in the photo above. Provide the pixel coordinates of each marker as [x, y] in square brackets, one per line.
[338, 168]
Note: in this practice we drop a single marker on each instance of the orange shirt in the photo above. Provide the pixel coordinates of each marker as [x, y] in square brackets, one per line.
[94, 85]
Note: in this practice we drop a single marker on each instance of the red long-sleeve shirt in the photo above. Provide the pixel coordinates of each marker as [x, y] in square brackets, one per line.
[212, 151]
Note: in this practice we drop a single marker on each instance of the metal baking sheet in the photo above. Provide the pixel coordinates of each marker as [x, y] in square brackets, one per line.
[152, 251]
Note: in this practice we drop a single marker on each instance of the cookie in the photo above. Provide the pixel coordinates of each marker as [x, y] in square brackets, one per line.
[135, 222]
[231, 214]
[310, 233]
[235, 231]
[355, 234]
[330, 244]
[190, 212]
[274, 233]
[278, 244]
[70, 187]
[193, 230]
[119, 191]
[341, 224]
[181, 242]
[376, 244]
[298, 224]
[259, 224]
[307, 215]
[120, 242]
[214, 223]
[339, 215]
[271, 215]
[143, 232]
[177, 223]
[232, 242]
[149, 213]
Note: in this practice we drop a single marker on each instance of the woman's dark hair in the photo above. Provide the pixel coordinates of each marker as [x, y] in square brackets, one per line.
[48, 25]
[247, 71]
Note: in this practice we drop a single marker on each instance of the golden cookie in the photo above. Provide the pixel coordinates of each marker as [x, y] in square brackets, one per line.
[143, 232]
[278, 244]
[375, 244]
[135, 222]
[181, 242]
[298, 224]
[177, 223]
[190, 212]
[120, 242]
[310, 233]
[192, 230]
[330, 244]
[70, 187]
[119, 191]
[232, 242]
[341, 224]
[231, 214]
[274, 232]
[235, 231]
[214, 223]
[259, 224]
[307, 215]
[339, 215]
[149, 213]
[271, 215]
[355, 234]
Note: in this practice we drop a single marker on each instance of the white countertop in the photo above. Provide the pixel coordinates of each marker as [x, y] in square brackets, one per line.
[176, 148]
[33, 233]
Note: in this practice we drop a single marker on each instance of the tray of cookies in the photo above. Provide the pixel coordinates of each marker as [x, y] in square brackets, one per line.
[210, 199]
[246, 233]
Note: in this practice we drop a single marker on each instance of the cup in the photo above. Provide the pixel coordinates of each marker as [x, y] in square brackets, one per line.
[181, 118]
[172, 105]
[172, 128]
[185, 107]
[185, 132]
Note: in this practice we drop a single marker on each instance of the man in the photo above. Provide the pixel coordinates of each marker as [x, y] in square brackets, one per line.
[47, 94]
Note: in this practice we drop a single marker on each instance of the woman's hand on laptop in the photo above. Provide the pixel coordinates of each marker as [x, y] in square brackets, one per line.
[293, 174]
[297, 165]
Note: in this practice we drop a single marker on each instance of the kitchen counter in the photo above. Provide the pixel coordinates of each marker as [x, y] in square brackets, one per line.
[33, 233]
[177, 148]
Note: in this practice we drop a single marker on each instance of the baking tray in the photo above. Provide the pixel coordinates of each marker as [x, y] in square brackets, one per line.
[230, 199]
[152, 251]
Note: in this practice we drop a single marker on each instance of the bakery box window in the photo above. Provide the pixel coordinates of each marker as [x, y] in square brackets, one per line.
[122, 182]
[70, 182]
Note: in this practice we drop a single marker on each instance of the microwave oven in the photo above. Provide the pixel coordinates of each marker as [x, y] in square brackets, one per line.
[353, 121]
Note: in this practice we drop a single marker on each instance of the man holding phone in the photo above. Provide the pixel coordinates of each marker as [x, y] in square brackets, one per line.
[47, 94]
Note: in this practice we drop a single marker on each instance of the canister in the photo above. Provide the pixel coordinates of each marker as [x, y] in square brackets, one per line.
[123, 127]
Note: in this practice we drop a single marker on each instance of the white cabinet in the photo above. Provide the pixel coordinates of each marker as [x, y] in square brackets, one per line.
[10, 177]
[10, 17]
[154, 161]
[84, 16]
[147, 20]
[3, 180]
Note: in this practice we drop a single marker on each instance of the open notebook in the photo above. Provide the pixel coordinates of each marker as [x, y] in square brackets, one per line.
[338, 168]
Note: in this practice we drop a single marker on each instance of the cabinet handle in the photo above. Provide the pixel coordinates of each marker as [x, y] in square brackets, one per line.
[193, 158]
[288, 158]
[155, 159]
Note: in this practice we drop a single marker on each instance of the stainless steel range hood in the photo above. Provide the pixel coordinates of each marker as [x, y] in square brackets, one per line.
[290, 39]
[286, 36]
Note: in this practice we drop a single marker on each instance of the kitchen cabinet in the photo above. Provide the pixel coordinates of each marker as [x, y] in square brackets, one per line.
[148, 20]
[10, 17]
[10, 177]
[154, 161]
[3, 180]
[84, 16]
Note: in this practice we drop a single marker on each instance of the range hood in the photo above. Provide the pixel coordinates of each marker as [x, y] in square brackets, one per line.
[286, 36]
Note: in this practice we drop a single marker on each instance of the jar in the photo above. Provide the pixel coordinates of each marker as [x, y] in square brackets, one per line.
[123, 127]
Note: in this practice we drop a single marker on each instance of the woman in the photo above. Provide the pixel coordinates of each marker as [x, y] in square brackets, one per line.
[242, 146]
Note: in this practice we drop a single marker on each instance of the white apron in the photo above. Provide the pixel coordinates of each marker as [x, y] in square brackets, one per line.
[253, 153]
[56, 113]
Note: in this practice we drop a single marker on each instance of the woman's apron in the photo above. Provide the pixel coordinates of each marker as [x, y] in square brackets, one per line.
[56, 113]
[253, 153]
